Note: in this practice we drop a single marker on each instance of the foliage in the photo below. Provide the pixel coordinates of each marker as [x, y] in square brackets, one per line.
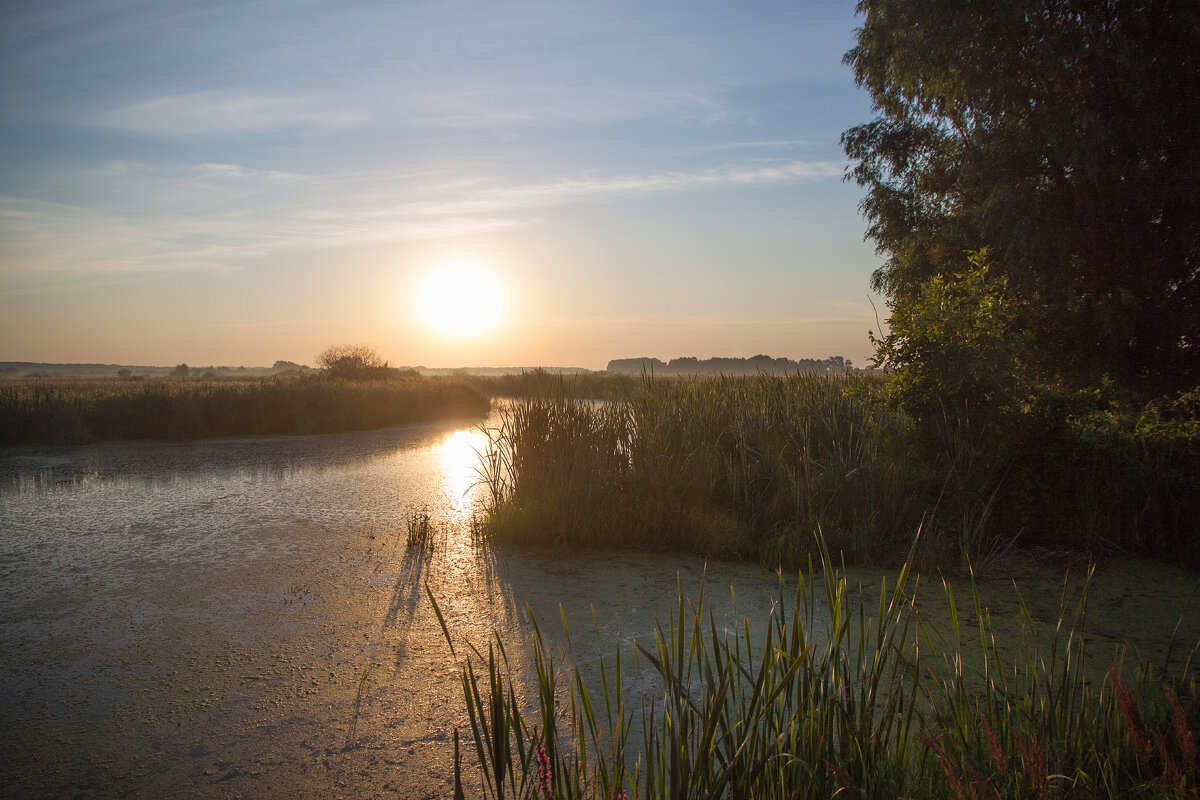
[952, 346]
[1060, 133]
[352, 362]
[839, 697]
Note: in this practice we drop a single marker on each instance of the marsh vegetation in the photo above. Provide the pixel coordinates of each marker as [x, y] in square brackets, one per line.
[73, 411]
[752, 467]
[840, 696]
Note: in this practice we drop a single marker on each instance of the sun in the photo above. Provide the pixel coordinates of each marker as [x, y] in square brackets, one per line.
[460, 299]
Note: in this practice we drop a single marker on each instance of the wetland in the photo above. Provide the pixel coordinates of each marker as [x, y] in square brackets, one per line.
[244, 617]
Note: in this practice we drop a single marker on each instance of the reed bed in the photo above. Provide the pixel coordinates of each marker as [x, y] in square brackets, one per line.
[733, 466]
[750, 467]
[842, 696]
[538, 382]
[81, 411]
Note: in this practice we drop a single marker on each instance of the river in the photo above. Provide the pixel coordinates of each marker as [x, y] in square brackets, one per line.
[241, 618]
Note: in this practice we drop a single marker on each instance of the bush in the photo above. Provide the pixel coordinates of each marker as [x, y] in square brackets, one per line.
[353, 362]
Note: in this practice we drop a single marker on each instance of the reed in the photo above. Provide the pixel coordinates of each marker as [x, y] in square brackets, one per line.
[844, 695]
[80, 411]
[542, 382]
[421, 539]
[750, 467]
[731, 466]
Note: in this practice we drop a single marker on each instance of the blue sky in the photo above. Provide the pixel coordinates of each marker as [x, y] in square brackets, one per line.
[240, 182]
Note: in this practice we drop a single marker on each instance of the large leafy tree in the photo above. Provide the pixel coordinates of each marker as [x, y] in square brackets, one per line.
[1062, 135]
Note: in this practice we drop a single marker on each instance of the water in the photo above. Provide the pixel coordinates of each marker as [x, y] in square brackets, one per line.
[242, 618]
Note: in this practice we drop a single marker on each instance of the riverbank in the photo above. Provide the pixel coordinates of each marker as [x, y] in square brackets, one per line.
[78, 411]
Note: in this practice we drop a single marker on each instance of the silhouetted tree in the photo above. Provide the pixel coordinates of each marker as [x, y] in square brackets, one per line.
[352, 362]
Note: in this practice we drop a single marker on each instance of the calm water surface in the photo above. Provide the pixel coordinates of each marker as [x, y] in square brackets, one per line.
[240, 618]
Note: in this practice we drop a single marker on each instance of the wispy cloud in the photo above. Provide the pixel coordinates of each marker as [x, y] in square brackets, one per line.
[602, 187]
[134, 217]
[782, 144]
[229, 112]
[43, 243]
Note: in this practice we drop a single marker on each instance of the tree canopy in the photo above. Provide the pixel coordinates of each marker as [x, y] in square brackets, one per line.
[1062, 136]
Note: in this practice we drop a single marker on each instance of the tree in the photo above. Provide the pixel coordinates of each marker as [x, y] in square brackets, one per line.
[951, 347]
[1061, 134]
[180, 371]
[352, 362]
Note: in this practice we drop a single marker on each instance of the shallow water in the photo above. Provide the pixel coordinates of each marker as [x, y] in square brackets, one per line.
[240, 618]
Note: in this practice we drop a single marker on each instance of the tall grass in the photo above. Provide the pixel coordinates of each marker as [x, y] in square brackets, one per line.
[750, 467]
[541, 382]
[80, 411]
[731, 466]
[840, 698]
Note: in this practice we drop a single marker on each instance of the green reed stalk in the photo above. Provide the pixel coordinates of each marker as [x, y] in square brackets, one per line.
[847, 698]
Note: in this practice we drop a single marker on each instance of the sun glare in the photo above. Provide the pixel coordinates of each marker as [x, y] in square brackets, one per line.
[460, 299]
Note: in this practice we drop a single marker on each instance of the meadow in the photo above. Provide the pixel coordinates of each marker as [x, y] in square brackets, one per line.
[79, 411]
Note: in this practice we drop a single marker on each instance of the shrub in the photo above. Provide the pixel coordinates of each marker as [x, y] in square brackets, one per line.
[352, 362]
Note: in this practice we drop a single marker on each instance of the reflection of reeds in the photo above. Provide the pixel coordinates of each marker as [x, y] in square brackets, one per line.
[68, 411]
[873, 704]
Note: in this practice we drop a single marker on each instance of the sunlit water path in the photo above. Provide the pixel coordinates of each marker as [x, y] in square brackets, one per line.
[241, 618]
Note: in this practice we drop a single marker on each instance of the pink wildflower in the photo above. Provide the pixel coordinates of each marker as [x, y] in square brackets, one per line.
[545, 776]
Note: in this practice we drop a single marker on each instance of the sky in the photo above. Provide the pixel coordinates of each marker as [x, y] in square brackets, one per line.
[244, 182]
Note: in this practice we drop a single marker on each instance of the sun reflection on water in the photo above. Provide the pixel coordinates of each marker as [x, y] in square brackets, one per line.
[460, 458]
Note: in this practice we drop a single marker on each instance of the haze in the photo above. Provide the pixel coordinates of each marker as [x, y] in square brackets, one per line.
[246, 182]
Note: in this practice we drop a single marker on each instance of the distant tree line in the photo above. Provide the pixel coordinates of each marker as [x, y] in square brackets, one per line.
[760, 364]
